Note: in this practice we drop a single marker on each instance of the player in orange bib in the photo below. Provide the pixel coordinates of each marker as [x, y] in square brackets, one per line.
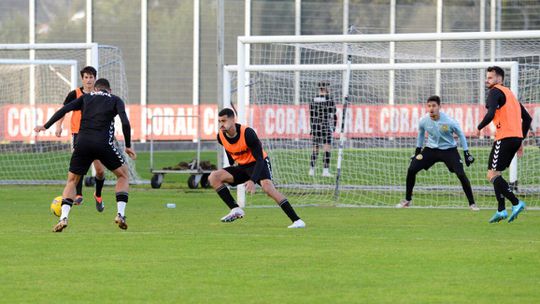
[512, 122]
[249, 164]
[88, 76]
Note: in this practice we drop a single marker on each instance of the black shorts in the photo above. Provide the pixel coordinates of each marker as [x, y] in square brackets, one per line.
[323, 137]
[503, 152]
[242, 174]
[87, 150]
[428, 157]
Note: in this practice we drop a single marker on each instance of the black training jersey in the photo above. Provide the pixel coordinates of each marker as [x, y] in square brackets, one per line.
[98, 112]
[322, 111]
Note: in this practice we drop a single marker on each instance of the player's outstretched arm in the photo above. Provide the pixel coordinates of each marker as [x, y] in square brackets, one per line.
[469, 159]
[462, 139]
[75, 105]
[254, 144]
[526, 120]
[69, 98]
[491, 103]
[39, 128]
[420, 139]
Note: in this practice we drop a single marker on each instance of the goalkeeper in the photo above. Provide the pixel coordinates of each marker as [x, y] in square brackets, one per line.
[441, 147]
[322, 110]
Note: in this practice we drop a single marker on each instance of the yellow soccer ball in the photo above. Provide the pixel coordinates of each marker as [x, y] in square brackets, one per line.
[56, 206]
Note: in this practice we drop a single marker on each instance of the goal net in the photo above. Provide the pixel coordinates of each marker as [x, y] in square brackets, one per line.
[31, 90]
[390, 78]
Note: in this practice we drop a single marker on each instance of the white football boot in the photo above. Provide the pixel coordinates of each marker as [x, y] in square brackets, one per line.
[236, 213]
[404, 204]
[298, 224]
[326, 173]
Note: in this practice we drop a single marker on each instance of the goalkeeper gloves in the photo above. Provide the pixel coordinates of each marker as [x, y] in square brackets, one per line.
[416, 152]
[469, 159]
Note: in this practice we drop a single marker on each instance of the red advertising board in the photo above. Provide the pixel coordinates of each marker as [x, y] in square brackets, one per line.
[180, 122]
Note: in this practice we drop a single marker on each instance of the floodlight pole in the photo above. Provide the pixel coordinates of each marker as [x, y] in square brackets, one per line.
[392, 60]
[224, 81]
[32, 56]
[89, 32]
[144, 68]
[438, 47]
[297, 32]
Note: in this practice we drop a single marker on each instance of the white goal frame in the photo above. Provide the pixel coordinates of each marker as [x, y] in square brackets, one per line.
[92, 55]
[244, 65]
[72, 81]
[73, 75]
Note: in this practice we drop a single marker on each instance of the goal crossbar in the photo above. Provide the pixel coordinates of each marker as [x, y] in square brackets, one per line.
[47, 46]
[373, 67]
[391, 37]
[91, 48]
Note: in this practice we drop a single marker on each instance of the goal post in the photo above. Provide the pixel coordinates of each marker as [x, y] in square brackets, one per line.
[31, 90]
[376, 156]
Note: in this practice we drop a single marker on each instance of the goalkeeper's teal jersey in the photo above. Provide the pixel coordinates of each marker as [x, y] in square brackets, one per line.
[440, 133]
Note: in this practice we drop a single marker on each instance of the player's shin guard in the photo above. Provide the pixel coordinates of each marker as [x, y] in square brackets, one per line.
[226, 196]
[121, 201]
[99, 186]
[78, 188]
[288, 209]
[66, 207]
[327, 159]
[466, 184]
[502, 186]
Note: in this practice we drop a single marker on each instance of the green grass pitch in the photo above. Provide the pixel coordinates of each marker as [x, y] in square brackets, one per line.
[185, 255]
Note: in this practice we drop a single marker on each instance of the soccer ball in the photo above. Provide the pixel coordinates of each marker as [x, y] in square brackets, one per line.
[56, 206]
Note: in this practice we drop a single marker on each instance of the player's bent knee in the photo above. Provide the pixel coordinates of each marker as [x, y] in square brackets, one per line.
[100, 174]
[212, 179]
[267, 185]
[73, 178]
[121, 172]
[491, 174]
[216, 177]
[413, 170]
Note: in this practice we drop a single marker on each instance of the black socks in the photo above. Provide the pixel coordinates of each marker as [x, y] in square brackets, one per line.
[501, 188]
[288, 209]
[99, 186]
[226, 196]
